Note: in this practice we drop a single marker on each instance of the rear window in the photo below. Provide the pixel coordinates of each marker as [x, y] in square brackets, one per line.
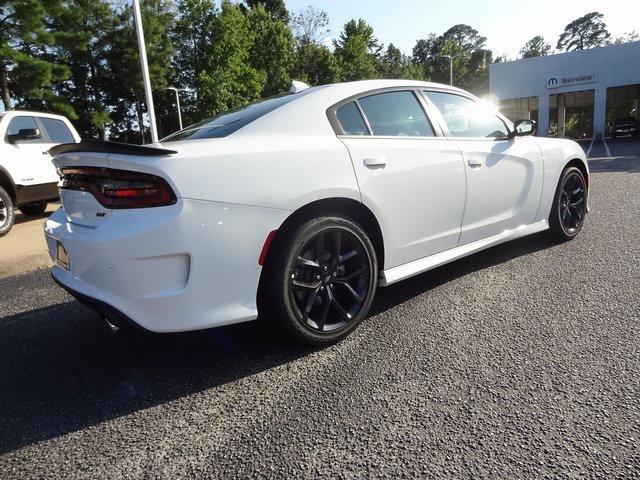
[57, 130]
[233, 120]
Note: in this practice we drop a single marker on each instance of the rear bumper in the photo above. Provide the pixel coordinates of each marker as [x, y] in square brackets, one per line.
[115, 316]
[189, 266]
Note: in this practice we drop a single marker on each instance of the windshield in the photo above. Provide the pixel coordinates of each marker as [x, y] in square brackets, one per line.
[233, 120]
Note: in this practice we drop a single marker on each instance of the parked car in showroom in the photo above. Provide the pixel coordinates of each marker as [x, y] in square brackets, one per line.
[299, 207]
[28, 179]
[624, 126]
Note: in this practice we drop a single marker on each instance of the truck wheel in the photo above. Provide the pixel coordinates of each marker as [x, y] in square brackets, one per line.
[7, 215]
[37, 208]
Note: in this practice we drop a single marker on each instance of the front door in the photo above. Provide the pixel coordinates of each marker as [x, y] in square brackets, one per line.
[504, 175]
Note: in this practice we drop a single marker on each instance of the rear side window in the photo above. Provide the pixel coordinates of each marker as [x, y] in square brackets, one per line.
[351, 121]
[22, 123]
[467, 118]
[233, 120]
[396, 114]
[57, 130]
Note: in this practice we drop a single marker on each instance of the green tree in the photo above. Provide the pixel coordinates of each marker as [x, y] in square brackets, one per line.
[227, 79]
[276, 7]
[27, 68]
[467, 49]
[126, 94]
[587, 31]
[83, 31]
[272, 51]
[192, 31]
[536, 47]
[394, 64]
[316, 64]
[357, 51]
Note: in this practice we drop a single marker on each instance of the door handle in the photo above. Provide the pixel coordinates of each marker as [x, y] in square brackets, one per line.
[375, 162]
[474, 162]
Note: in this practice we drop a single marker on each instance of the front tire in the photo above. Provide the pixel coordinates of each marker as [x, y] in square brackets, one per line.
[37, 208]
[569, 205]
[7, 213]
[321, 280]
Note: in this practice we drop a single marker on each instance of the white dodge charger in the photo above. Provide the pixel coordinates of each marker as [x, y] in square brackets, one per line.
[300, 206]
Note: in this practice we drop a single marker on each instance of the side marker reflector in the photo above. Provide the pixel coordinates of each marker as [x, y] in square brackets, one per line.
[265, 247]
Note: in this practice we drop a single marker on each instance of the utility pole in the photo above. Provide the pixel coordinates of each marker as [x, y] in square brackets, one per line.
[145, 71]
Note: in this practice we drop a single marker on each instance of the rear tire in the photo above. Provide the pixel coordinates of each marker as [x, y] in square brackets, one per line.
[7, 213]
[37, 208]
[569, 205]
[320, 280]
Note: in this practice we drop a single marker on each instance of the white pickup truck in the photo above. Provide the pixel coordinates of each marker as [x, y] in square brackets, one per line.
[28, 179]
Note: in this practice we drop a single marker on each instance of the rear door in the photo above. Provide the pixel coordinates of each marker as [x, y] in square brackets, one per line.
[412, 179]
[504, 175]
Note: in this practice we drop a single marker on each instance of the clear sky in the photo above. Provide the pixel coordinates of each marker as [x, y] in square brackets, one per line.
[507, 24]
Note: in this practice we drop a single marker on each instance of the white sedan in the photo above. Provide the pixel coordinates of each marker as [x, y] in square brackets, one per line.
[299, 207]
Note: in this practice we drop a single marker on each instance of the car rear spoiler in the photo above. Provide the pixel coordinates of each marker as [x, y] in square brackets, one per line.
[109, 147]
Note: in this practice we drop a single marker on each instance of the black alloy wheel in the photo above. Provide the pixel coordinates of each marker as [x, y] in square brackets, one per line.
[570, 205]
[7, 214]
[321, 280]
[329, 280]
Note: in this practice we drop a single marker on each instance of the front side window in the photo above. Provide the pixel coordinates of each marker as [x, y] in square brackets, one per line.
[396, 114]
[351, 121]
[467, 118]
[57, 130]
[21, 123]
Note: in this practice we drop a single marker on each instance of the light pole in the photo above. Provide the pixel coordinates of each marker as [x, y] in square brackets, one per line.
[145, 71]
[450, 57]
[176, 90]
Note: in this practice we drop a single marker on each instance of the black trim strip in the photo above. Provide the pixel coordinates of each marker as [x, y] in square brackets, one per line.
[114, 315]
[109, 147]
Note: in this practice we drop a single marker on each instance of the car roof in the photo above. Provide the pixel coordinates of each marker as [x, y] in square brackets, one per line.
[308, 115]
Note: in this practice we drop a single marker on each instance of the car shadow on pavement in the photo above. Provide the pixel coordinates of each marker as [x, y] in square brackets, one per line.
[63, 371]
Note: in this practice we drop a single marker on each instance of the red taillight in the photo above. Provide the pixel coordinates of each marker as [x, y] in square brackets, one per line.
[119, 188]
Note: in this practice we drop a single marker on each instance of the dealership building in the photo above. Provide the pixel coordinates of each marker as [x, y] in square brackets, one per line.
[577, 94]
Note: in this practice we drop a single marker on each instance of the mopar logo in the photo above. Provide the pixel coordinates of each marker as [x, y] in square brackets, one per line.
[553, 82]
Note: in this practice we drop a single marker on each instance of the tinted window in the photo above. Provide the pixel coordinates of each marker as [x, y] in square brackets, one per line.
[57, 130]
[22, 123]
[351, 121]
[397, 114]
[228, 122]
[467, 118]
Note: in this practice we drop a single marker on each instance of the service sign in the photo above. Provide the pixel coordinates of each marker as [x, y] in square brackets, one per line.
[556, 82]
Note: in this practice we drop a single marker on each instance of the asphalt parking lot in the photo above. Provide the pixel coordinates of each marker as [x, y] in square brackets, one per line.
[522, 361]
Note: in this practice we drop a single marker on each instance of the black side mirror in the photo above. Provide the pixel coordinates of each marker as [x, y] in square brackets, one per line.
[24, 134]
[522, 128]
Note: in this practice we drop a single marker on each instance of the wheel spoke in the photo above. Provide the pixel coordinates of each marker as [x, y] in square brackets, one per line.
[346, 256]
[338, 307]
[351, 276]
[335, 250]
[577, 202]
[307, 262]
[310, 302]
[566, 216]
[306, 285]
[324, 312]
[350, 289]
